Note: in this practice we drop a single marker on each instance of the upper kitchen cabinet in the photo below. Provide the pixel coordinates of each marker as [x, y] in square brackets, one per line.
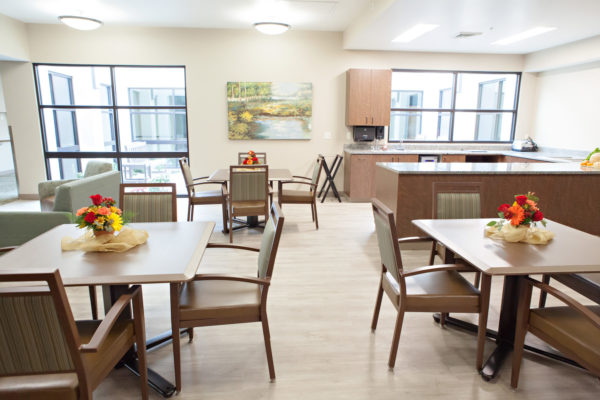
[368, 97]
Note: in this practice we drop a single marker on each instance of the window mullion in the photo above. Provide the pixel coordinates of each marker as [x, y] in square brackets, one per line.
[453, 112]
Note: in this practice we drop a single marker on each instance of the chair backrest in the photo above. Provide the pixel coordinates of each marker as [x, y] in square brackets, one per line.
[149, 202]
[187, 175]
[25, 225]
[262, 157]
[456, 200]
[270, 241]
[37, 328]
[73, 195]
[97, 167]
[317, 172]
[249, 182]
[387, 239]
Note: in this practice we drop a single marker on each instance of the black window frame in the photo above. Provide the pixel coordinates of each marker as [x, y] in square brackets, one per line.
[453, 110]
[116, 154]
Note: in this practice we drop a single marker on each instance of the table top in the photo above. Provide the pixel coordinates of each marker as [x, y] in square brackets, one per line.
[571, 250]
[275, 174]
[172, 254]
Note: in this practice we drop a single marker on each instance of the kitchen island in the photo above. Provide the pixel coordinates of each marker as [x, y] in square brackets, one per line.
[568, 194]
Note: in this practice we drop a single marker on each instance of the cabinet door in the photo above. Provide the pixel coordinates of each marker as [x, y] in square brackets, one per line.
[453, 158]
[381, 97]
[358, 97]
[407, 158]
[361, 178]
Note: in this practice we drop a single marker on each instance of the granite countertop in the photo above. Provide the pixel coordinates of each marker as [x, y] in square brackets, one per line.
[548, 155]
[488, 168]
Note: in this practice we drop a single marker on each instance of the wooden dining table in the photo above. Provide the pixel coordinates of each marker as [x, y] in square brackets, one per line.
[172, 254]
[570, 252]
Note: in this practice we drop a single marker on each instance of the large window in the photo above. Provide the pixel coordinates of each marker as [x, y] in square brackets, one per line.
[453, 106]
[134, 116]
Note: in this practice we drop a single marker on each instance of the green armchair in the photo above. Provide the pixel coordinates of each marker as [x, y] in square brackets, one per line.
[25, 225]
[48, 190]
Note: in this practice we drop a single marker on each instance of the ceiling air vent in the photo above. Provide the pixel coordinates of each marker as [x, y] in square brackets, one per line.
[463, 35]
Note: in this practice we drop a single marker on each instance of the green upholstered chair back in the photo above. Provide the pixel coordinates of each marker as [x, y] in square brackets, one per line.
[97, 167]
[270, 242]
[249, 182]
[187, 174]
[37, 330]
[25, 225]
[262, 158]
[387, 240]
[317, 171]
[456, 200]
[73, 195]
[149, 202]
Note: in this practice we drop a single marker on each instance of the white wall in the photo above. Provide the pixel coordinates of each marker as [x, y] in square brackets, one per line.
[213, 57]
[13, 39]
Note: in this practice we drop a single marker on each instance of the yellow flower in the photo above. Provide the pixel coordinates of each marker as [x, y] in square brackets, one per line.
[117, 221]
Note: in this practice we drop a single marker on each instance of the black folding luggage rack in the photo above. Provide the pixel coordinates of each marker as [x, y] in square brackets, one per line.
[329, 177]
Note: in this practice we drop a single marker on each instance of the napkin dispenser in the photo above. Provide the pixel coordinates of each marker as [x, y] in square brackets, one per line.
[524, 145]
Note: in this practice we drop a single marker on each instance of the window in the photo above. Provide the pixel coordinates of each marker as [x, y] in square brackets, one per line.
[453, 106]
[135, 116]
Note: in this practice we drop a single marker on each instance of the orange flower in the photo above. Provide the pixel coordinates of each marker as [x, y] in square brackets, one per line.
[518, 215]
[532, 205]
[81, 211]
[104, 211]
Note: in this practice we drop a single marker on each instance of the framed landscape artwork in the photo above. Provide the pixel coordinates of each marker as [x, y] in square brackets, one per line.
[269, 110]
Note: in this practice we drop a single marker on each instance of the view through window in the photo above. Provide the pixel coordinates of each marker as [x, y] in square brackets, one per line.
[453, 106]
[132, 116]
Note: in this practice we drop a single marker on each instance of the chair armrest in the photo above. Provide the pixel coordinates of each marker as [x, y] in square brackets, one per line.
[224, 190]
[415, 239]
[568, 300]
[7, 249]
[301, 177]
[48, 188]
[297, 183]
[110, 319]
[201, 177]
[435, 268]
[230, 246]
[258, 281]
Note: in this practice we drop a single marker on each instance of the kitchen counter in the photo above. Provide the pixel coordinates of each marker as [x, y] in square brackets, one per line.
[487, 168]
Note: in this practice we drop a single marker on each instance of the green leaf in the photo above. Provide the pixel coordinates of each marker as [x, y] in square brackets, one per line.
[501, 215]
[543, 222]
[491, 223]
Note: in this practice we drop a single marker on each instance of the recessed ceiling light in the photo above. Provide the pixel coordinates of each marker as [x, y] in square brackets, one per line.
[271, 28]
[538, 30]
[81, 23]
[414, 32]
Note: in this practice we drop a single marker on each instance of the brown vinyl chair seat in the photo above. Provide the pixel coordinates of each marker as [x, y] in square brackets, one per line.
[435, 292]
[296, 196]
[207, 197]
[59, 386]
[213, 299]
[568, 327]
[248, 207]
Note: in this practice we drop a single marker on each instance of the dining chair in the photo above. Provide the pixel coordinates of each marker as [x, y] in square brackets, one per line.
[262, 157]
[46, 354]
[573, 329]
[149, 202]
[203, 197]
[248, 192]
[303, 196]
[434, 288]
[222, 299]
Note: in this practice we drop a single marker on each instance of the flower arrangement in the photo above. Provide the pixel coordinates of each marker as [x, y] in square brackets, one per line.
[102, 216]
[251, 159]
[523, 212]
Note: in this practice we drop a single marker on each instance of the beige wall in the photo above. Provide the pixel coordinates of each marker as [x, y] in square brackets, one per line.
[213, 57]
[13, 39]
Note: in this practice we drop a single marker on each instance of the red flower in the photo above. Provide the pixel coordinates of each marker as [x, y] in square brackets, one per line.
[538, 216]
[521, 199]
[90, 217]
[108, 200]
[245, 161]
[255, 159]
[503, 207]
[96, 199]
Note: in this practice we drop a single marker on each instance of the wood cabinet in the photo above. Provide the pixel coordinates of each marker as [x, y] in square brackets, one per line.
[368, 97]
[359, 172]
[521, 159]
[453, 158]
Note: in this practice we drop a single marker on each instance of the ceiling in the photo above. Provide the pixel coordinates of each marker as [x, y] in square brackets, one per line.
[367, 24]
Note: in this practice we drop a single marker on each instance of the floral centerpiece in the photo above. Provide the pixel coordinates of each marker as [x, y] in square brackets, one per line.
[102, 217]
[522, 216]
[251, 159]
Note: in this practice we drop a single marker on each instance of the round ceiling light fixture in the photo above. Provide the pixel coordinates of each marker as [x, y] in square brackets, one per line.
[271, 28]
[81, 23]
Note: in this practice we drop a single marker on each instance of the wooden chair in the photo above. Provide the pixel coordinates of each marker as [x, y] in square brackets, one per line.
[47, 355]
[221, 299]
[434, 288]
[262, 157]
[248, 192]
[149, 202]
[303, 196]
[573, 329]
[203, 197]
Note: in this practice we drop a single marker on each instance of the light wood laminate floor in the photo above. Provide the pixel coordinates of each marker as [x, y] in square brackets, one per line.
[320, 309]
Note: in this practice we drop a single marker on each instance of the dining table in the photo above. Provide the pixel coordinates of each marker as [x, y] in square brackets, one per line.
[172, 254]
[570, 253]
